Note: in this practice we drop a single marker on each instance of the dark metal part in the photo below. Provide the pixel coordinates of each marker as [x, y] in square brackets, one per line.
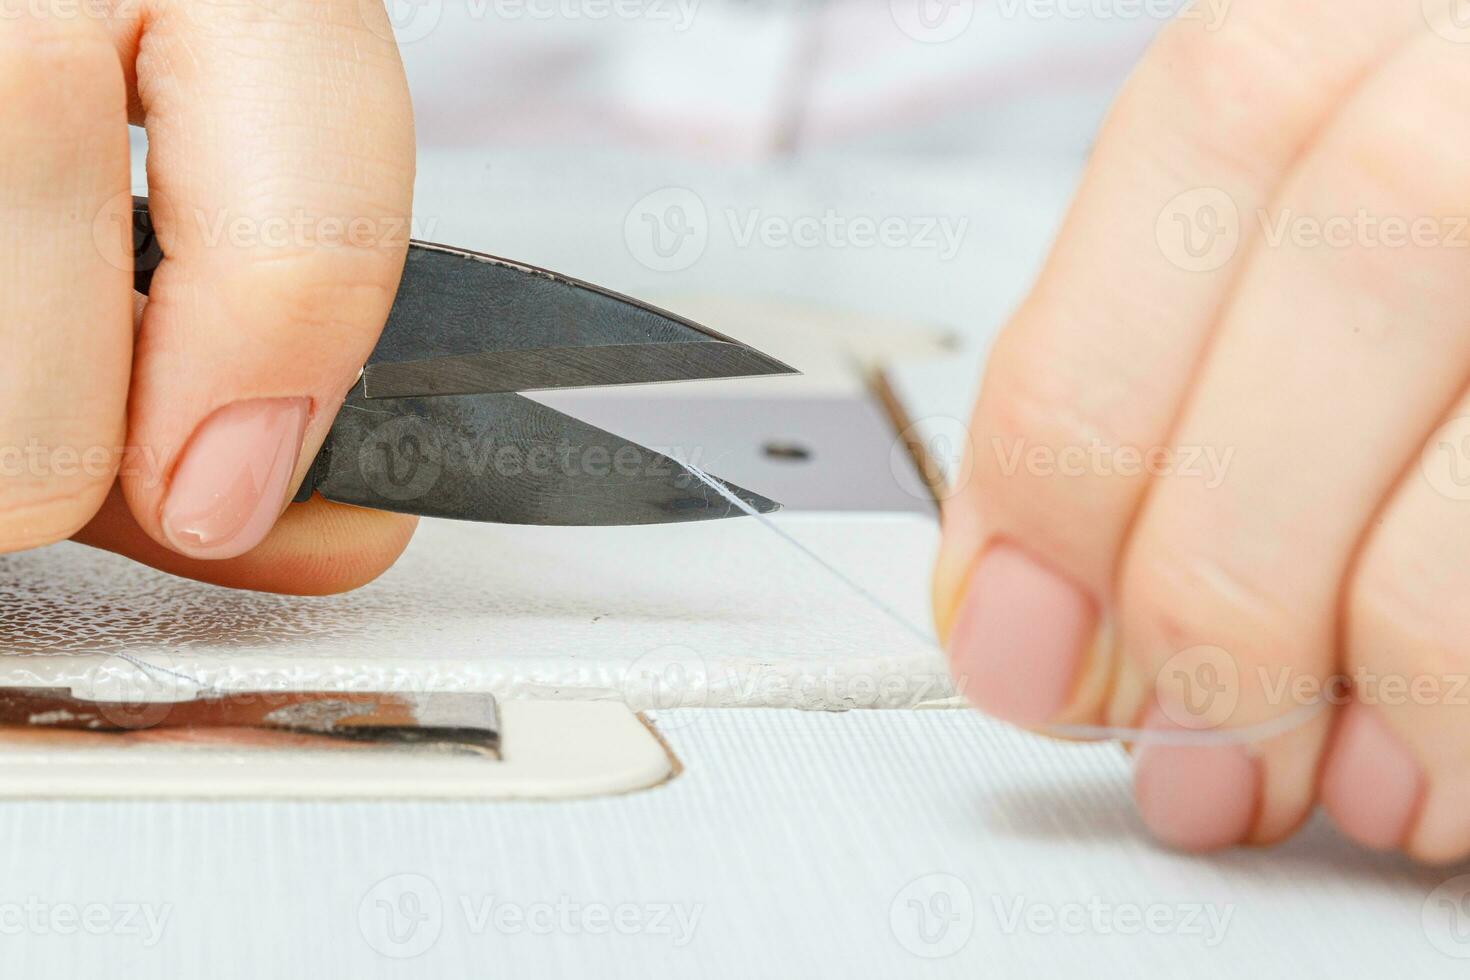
[486, 324]
[568, 367]
[453, 719]
[434, 427]
[508, 459]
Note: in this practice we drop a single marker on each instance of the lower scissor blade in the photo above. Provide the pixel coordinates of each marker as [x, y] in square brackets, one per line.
[506, 459]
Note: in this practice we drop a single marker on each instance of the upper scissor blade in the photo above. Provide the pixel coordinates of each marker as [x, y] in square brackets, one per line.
[568, 367]
[466, 323]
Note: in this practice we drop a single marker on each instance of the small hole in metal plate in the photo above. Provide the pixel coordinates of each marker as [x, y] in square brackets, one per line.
[790, 452]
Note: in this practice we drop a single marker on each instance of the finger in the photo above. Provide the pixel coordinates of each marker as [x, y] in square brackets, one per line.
[1398, 770]
[65, 326]
[1337, 354]
[280, 178]
[1085, 383]
[316, 548]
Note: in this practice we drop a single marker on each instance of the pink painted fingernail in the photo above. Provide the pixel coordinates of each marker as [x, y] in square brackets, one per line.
[1195, 797]
[1372, 784]
[1019, 637]
[231, 484]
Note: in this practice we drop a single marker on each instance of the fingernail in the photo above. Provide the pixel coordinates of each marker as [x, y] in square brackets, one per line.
[1372, 784]
[1195, 798]
[1019, 637]
[230, 486]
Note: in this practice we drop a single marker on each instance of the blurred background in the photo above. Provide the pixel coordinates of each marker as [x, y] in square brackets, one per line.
[905, 159]
[902, 163]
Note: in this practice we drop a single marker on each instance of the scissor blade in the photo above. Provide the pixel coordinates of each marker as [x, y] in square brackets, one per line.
[464, 323]
[506, 459]
[568, 367]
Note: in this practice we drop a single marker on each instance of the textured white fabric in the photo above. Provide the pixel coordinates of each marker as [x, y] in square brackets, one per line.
[797, 838]
[721, 613]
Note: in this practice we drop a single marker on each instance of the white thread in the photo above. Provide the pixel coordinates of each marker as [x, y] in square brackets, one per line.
[883, 607]
[1244, 735]
[159, 668]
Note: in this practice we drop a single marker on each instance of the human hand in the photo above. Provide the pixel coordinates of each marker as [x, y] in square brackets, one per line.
[281, 161]
[1219, 458]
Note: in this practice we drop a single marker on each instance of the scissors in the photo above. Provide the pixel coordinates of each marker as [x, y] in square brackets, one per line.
[435, 425]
